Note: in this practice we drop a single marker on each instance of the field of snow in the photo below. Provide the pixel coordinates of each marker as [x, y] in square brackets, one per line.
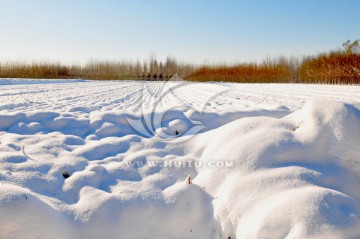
[113, 159]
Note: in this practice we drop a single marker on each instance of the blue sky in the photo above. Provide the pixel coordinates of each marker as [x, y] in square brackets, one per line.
[74, 31]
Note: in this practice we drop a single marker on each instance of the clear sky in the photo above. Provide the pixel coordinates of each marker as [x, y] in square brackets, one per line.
[74, 31]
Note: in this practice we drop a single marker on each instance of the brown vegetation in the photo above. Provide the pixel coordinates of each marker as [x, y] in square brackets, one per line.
[277, 70]
[331, 68]
[337, 67]
[98, 70]
[35, 70]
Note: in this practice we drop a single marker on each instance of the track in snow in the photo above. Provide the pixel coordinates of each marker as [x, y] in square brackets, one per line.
[119, 95]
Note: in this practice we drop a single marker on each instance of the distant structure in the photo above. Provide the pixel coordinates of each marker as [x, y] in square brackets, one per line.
[175, 77]
[161, 77]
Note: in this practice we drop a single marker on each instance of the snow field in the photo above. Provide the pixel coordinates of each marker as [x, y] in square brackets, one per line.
[75, 160]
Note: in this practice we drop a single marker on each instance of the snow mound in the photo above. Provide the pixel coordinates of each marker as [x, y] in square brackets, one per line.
[87, 172]
[296, 177]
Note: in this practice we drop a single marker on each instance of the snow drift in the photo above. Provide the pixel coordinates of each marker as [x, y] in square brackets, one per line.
[88, 173]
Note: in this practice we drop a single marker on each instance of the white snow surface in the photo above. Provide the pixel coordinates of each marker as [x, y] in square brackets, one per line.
[265, 160]
[20, 81]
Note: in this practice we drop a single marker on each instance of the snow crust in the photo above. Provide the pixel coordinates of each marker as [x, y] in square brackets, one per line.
[111, 160]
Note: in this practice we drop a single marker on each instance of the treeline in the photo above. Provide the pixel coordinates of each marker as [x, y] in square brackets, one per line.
[341, 66]
[98, 70]
[276, 70]
[337, 67]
